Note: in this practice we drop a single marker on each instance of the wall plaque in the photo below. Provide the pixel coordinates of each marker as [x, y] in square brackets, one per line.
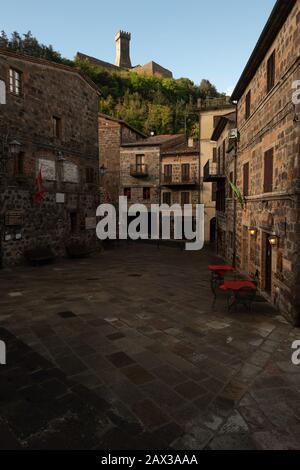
[70, 172]
[90, 223]
[60, 198]
[14, 217]
[48, 169]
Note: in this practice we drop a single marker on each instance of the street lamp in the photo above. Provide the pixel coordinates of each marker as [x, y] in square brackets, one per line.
[273, 240]
[103, 170]
[14, 147]
[252, 231]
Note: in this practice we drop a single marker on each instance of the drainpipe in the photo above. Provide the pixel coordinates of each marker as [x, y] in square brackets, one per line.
[199, 168]
[234, 198]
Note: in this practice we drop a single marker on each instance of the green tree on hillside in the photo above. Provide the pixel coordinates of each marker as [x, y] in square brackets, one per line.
[149, 103]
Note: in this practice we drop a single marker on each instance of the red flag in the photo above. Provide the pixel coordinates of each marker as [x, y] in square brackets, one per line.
[38, 195]
[106, 197]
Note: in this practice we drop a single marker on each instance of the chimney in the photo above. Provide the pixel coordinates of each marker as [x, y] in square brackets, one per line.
[190, 142]
[123, 50]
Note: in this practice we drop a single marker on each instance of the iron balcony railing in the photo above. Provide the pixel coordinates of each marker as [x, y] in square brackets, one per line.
[139, 170]
[213, 172]
[172, 180]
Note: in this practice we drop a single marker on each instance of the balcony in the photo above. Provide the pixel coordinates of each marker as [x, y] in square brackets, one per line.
[139, 171]
[183, 180]
[212, 172]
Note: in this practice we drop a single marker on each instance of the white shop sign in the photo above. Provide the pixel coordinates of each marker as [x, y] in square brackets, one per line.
[60, 198]
[48, 169]
[90, 223]
[70, 172]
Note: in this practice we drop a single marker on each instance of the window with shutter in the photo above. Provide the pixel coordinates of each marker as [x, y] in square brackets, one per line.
[127, 193]
[15, 82]
[89, 175]
[224, 154]
[271, 72]
[246, 179]
[268, 171]
[146, 193]
[167, 198]
[185, 198]
[213, 191]
[248, 105]
[185, 172]
[168, 173]
[214, 154]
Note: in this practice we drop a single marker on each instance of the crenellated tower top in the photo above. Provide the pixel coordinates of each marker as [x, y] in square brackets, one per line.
[122, 39]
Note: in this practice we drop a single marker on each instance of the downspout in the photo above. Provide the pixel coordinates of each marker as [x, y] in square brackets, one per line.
[199, 169]
[234, 198]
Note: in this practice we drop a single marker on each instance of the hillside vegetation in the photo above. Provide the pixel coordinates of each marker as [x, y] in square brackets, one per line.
[149, 103]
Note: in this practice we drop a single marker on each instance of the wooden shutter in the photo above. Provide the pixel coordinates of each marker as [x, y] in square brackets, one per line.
[248, 105]
[214, 154]
[246, 179]
[213, 191]
[224, 154]
[185, 171]
[271, 72]
[268, 171]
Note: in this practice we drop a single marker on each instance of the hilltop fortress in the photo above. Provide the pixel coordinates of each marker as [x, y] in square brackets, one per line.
[123, 61]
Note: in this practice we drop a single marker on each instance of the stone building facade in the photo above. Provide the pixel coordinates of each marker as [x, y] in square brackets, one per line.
[208, 114]
[180, 174]
[140, 168]
[219, 170]
[113, 133]
[268, 166]
[51, 113]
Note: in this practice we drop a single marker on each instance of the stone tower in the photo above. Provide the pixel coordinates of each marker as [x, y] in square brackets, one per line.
[123, 49]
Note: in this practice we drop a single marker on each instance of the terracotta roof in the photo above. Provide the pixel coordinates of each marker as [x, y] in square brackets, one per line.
[182, 148]
[49, 63]
[274, 24]
[155, 140]
[120, 121]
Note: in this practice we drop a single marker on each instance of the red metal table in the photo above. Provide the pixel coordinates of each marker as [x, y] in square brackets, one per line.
[241, 292]
[218, 272]
[220, 268]
[237, 284]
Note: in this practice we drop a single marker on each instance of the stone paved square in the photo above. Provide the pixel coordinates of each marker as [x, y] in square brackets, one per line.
[128, 350]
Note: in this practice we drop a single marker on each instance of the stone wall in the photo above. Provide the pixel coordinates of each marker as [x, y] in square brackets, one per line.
[207, 121]
[48, 90]
[272, 125]
[225, 220]
[152, 180]
[178, 187]
[112, 133]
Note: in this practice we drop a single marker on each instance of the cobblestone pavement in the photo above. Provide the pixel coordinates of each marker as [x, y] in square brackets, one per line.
[127, 350]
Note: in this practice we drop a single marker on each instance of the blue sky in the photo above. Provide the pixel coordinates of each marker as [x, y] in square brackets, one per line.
[193, 38]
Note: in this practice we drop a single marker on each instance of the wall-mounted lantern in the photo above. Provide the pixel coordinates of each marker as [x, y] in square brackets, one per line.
[252, 231]
[60, 156]
[102, 170]
[273, 240]
[14, 147]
